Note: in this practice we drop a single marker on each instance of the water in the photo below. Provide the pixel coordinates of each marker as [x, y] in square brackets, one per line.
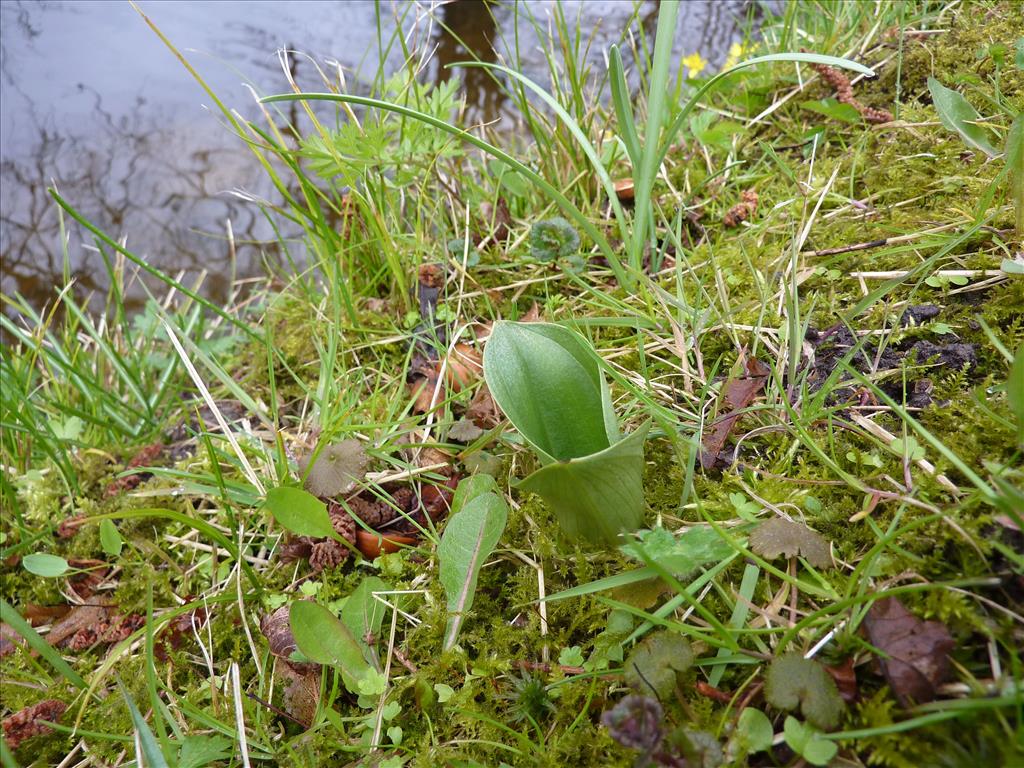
[93, 103]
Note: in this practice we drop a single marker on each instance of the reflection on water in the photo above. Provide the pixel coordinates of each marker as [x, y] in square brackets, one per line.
[93, 103]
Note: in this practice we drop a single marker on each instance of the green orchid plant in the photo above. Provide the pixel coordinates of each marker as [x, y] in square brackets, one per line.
[548, 382]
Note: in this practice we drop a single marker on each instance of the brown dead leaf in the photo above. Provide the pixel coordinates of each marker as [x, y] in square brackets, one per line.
[80, 617]
[483, 410]
[463, 368]
[10, 640]
[276, 627]
[916, 653]
[301, 694]
[532, 314]
[26, 723]
[737, 395]
[779, 536]
[44, 614]
[846, 679]
[144, 457]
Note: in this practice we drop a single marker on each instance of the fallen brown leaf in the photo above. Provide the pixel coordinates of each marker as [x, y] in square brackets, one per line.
[737, 395]
[846, 679]
[916, 653]
[25, 724]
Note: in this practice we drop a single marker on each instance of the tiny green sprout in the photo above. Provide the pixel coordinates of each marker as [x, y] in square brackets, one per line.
[529, 699]
[552, 239]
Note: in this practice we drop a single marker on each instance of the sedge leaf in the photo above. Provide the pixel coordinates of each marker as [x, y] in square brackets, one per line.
[299, 512]
[469, 537]
[154, 758]
[957, 114]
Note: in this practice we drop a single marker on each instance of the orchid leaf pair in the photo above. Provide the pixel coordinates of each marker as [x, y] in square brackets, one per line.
[548, 382]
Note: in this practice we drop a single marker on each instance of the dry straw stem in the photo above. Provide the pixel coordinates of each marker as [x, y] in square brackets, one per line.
[882, 433]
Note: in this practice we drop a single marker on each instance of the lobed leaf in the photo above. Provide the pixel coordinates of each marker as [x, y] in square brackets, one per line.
[793, 681]
[653, 665]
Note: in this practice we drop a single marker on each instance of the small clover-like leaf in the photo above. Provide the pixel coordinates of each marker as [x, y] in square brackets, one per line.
[784, 537]
[793, 681]
[654, 663]
[571, 657]
[553, 239]
[337, 467]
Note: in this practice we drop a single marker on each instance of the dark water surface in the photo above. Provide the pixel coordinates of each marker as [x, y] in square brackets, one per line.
[93, 103]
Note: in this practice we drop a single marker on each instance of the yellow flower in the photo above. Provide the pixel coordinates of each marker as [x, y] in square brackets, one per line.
[694, 63]
[736, 50]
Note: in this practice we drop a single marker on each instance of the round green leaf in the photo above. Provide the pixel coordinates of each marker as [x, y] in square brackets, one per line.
[42, 564]
[754, 730]
[820, 751]
[300, 512]
[110, 538]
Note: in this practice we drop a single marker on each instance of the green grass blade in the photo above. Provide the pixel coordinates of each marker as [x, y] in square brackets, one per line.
[623, 109]
[563, 202]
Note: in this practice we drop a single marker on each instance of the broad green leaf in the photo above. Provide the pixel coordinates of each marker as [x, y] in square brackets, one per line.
[469, 537]
[200, 750]
[470, 488]
[596, 497]
[69, 429]
[322, 638]
[834, 109]
[110, 538]
[37, 643]
[548, 383]
[444, 692]
[819, 751]
[46, 565]
[796, 734]
[299, 512]
[362, 613]
[957, 114]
